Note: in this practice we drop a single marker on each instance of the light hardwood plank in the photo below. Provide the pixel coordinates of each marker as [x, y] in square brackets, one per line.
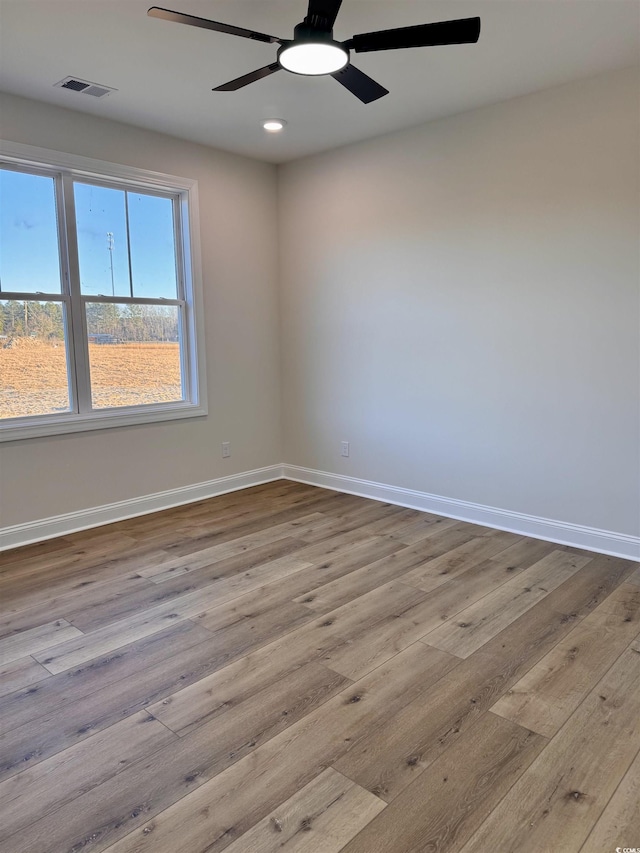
[69, 722]
[379, 519]
[78, 604]
[150, 785]
[84, 647]
[355, 518]
[619, 824]
[634, 578]
[118, 607]
[389, 567]
[199, 703]
[337, 566]
[295, 587]
[457, 560]
[477, 624]
[34, 592]
[524, 553]
[388, 758]
[356, 657]
[319, 818]
[557, 801]
[422, 527]
[345, 623]
[446, 601]
[88, 646]
[549, 693]
[19, 674]
[66, 690]
[232, 548]
[440, 810]
[33, 793]
[214, 533]
[576, 598]
[31, 642]
[237, 564]
[203, 700]
[247, 625]
[339, 544]
[62, 569]
[63, 555]
[220, 811]
[359, 656]
[314, 641]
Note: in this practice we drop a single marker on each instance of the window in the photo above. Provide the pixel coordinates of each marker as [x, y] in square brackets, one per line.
[100, 316]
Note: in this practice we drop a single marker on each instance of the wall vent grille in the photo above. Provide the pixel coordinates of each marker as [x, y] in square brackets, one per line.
[84, 87]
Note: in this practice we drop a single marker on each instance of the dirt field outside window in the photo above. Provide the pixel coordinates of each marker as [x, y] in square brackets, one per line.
[33, 375]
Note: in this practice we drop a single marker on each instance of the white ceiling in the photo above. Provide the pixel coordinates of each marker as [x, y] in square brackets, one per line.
[164, 72]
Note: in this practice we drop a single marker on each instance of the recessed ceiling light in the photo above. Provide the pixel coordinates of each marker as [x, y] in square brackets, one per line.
[273, 125]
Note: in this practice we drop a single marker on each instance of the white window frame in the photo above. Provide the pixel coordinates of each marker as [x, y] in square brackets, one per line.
[69, 167]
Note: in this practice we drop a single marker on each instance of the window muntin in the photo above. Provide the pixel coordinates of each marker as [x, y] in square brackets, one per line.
[163, 265]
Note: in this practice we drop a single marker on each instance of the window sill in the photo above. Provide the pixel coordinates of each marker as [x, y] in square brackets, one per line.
[69, 423]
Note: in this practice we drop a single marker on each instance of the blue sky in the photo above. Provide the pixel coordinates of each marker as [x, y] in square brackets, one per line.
[28, 238]
[29, 246]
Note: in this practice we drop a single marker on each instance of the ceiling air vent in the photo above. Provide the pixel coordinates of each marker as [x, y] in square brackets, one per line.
[84, 87]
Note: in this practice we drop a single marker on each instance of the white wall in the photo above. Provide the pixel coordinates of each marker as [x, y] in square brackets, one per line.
[460, 302]
[50, 476]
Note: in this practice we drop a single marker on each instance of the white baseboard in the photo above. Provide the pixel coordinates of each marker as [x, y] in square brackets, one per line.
[72, 522]
[576, 535]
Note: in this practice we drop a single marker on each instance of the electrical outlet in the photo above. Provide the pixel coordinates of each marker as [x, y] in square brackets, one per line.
[344, 448]
[226, 449]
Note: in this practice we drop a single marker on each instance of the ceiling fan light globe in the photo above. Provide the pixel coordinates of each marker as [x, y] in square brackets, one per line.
[313, 58]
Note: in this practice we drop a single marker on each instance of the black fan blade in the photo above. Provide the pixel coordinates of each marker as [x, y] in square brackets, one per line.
[322, 14]
[206, 24]
[239, 82]
[462, 31]
[359, 84]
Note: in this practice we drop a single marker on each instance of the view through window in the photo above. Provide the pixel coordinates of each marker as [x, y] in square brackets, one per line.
[93, 298]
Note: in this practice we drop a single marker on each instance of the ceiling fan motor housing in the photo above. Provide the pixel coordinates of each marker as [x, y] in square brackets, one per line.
[307, 31]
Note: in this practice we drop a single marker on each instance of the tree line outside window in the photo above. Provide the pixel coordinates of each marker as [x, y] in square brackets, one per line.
[123, 324]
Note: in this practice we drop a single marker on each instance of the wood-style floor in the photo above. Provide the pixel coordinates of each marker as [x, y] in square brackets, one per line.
[291, 668]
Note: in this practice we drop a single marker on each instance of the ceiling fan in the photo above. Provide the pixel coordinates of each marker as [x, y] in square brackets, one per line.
[312, 51]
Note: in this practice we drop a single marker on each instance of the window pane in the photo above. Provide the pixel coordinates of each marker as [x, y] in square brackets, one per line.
[33, 359]
[103, 250]
[153, 251]
[29, 252]
[134, 354]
